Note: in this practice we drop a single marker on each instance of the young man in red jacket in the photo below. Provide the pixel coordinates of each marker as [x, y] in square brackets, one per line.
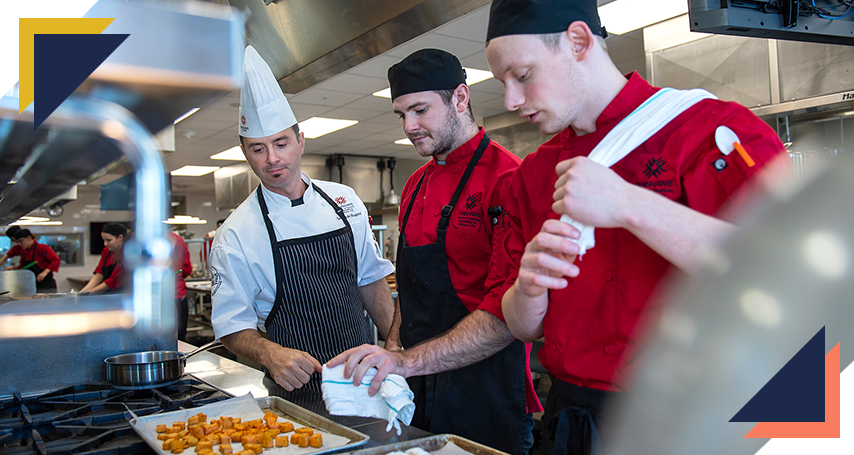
[655, 206]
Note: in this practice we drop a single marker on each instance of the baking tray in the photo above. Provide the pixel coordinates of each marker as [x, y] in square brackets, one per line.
[291, 411]
[432, 444]
[348, 439]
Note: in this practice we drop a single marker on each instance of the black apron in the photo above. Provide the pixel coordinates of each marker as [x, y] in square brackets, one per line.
[484, 402]
[573, 418]
[317, 308]
[48, 284]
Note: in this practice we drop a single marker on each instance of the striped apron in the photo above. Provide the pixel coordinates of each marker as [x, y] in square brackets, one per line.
[317, 308]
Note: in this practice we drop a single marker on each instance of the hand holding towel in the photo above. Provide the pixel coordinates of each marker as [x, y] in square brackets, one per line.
[393, 402]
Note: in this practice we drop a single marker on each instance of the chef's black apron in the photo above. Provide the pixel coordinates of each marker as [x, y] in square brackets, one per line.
[573, 418]
[317, 309]
[48, 284]
[484, 402]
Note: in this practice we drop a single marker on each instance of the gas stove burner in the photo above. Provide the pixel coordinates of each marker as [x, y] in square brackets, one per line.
[145, 387]
[92, 418]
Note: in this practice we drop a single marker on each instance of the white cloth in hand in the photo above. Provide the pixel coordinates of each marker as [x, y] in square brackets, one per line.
[393, 402]
[650, 117]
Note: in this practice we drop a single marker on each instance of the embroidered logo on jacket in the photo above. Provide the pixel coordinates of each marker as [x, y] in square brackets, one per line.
[654, 167]
[216, 280]
[340, 200]
[470, 217]
[471, 201]
[658, 178]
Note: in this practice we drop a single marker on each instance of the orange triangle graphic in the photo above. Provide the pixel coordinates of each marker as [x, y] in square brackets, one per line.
[830, 428]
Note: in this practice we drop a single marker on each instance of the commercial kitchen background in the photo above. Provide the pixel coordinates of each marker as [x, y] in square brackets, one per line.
[794, 86]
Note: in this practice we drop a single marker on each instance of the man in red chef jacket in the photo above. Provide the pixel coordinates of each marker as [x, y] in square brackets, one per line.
[469, 375]
[652, 209]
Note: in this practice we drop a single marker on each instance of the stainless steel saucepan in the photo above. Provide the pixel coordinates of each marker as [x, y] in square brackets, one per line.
[150, 369]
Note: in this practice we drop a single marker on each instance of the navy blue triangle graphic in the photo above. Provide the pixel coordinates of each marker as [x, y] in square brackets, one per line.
[795, 393]
[62, 63]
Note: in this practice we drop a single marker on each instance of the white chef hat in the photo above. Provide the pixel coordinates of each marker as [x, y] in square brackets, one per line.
[264, 110]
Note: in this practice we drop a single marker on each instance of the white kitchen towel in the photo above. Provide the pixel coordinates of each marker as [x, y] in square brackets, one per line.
[393, 402]
[650, 117]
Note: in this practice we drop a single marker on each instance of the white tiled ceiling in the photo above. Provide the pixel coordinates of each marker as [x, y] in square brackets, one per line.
[348, 96]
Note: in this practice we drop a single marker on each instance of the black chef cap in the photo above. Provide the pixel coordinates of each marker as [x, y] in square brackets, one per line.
[21, 234]
[536, 17]
[12, 230]
[427, 69]
[115, 229]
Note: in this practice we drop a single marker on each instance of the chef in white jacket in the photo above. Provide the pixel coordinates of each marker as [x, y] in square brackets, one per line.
[295, 265]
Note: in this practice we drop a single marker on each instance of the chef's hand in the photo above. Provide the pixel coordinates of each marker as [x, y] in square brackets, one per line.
[591, 193]
[40, 277]
[9, 267]
[358, 360]
[548, 257]
[292, 369]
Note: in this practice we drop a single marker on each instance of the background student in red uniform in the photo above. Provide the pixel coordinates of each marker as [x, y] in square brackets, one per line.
[469, 375]
[35, 257]
[652, 209]
[110, 274]
[182, 267]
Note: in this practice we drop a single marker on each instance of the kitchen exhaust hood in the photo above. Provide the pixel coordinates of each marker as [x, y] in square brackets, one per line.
[306, 42]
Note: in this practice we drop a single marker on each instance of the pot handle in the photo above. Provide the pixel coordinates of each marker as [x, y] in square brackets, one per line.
[211, 345]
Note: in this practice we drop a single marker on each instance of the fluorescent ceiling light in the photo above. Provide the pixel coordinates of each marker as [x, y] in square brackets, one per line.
[319, 126]
[187, 114]
[35, 221]
[184, 219]
[623, 16]
[473, 76]
[384, 93]
[403, 141]
[194, 171]
[232, 154]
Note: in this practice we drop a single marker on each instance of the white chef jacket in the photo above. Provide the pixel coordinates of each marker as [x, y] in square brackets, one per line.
[243, 278]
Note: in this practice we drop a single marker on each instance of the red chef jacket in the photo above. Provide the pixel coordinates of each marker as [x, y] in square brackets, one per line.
[471, 235]
[116, 279]
[44, 256]
[589, 328]
[181, 264]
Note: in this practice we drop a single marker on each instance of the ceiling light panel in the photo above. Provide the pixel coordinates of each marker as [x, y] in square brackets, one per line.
[232, 154]
[319, 126]
[194, 171]
[623, 16]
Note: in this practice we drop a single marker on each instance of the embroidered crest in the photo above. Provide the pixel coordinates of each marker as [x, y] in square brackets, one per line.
[654, 167]
[471, 201]
[216, 280]
[340, 200]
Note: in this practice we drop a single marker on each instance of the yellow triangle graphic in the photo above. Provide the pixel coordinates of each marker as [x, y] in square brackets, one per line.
[28, 27]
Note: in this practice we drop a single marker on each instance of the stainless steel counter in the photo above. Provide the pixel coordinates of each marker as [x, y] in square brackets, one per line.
[238, 379]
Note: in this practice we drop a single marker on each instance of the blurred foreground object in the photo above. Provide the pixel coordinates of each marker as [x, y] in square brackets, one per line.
[724, 335]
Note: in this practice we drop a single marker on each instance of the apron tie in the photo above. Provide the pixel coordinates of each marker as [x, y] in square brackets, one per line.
[575, 423]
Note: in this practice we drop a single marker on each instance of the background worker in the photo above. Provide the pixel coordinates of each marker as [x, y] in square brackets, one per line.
[109, 275]
[35, 257]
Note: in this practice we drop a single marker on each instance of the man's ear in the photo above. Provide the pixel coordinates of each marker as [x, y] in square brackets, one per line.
[580, 38]
[461, 98]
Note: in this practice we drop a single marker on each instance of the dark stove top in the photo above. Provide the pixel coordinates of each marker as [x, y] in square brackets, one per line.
[92, 418]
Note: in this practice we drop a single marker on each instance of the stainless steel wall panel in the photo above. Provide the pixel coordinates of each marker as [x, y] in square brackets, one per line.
[733, 68]
[808, 69]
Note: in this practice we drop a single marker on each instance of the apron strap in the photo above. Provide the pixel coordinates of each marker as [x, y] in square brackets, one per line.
[446, 210]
